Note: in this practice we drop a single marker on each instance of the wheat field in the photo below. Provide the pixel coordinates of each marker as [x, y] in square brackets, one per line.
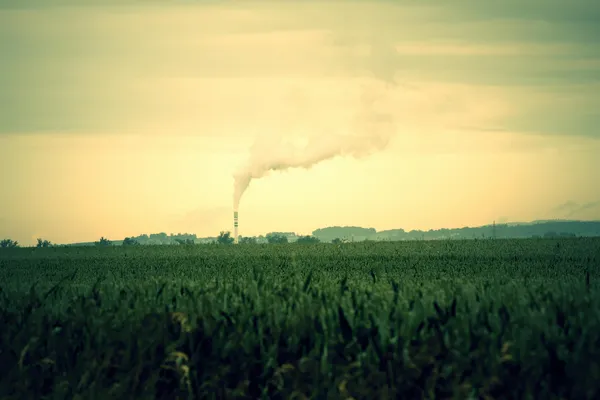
[422, 319]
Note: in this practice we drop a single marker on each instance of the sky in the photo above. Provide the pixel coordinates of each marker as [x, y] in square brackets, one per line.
[119, 118]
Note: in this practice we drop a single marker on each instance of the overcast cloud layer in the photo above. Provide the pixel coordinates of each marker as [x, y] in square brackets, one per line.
[95, 66]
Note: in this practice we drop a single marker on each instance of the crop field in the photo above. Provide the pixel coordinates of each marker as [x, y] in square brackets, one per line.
[478, 319]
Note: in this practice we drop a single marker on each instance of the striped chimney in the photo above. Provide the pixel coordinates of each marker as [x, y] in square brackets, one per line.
[235, 227]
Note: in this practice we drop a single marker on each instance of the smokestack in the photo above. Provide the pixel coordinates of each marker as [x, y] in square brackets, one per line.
[235, 227]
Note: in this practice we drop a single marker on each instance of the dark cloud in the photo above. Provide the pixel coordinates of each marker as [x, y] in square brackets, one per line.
[573, 209]
[49, 73]
[557, 122]
[575, 11]
[36, 4]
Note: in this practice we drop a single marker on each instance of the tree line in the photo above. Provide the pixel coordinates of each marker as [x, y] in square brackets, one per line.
[224, 238]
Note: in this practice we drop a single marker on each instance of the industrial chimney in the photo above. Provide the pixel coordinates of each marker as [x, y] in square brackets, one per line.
[235, 227]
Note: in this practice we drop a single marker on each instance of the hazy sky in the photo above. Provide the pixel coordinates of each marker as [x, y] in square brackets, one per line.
[126, 117]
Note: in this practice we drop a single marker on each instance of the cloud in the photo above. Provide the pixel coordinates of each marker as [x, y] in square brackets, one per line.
[567, 207]
[573, 209]
[577, 11]
[169, 74]
[46, 4]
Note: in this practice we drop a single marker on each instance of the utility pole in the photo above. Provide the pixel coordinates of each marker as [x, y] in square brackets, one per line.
[494, 230]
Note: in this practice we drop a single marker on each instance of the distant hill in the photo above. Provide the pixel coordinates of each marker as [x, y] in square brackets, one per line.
[545, 228]
[549, 228]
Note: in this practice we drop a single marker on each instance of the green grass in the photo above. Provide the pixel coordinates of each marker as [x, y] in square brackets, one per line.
[429, 319]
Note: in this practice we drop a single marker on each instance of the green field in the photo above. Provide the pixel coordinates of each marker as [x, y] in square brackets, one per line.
[420, 319]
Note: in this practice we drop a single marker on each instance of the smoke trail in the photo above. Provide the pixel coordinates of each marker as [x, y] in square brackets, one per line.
[371, 133]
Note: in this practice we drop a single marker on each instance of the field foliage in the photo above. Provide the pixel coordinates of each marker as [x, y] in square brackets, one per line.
[422, 319]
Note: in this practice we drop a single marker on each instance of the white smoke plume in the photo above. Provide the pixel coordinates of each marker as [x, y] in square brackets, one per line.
[371, 133]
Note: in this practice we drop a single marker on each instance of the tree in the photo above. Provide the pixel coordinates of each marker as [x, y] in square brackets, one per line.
[6, 243]
[336, 241]
[130, 241]
[103, 242]
[224, 238]
[248, 240]
[276, 239]
[159, 238]
[43, 243]
[308, 239]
